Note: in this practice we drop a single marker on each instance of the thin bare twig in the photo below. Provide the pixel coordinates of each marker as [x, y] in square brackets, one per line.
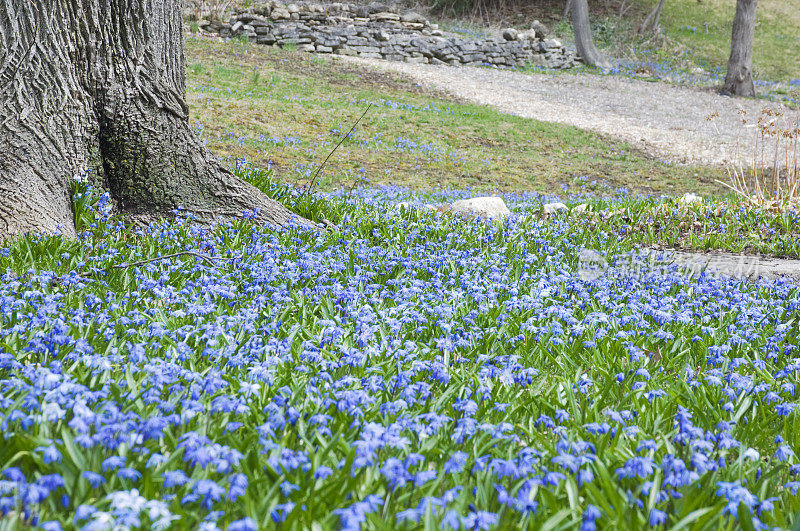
[316, 174]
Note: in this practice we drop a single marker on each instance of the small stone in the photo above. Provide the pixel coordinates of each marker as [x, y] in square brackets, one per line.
[540, 29]
[483, 207]
[690, 199]
[537, 60]
[579, 209]
[292, 8]
[412, 16]
[383, 17]
[549, 209]
[529, 35]
[378, 7]
[510, 34]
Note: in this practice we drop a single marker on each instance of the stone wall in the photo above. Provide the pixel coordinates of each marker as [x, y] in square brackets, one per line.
[379, 32]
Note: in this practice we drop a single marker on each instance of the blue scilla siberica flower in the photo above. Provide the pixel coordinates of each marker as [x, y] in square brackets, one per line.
[408, 367]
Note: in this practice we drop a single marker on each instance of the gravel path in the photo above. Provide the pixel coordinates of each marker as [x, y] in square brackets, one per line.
[667, 121]
[733, 265]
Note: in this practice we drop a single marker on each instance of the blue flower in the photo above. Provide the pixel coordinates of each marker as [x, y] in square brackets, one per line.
[129, 474]
[322, 472]
[640, 467]
[287, 488]
[175, 478]
[451, 520]
[591, 513]
[112, 463]
[50, 454]
[657, 517]
[456, 462]
[237, 486]
[245, 524]
[479, 520]
[209, 491]
[14, 474]
[94, 479]
[783, 452]
[281, 511]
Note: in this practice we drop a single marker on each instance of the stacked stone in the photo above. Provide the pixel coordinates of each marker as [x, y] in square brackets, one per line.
[376, 31]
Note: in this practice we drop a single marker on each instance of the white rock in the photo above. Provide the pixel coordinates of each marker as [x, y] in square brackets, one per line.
[510, 34]
[484, 207]
[551, 208]
[579, 209]
[404, 204]
[690, 199]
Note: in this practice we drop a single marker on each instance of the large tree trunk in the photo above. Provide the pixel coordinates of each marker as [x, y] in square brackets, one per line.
[583, 36]
[739, 78]
[98, 86]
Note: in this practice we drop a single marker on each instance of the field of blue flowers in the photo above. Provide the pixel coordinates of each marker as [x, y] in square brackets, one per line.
[401, 369]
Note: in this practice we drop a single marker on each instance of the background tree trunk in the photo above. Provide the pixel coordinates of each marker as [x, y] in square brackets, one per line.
[739, 78]
[567, 9]
[97, 87]
[651, 21]
[583, 36]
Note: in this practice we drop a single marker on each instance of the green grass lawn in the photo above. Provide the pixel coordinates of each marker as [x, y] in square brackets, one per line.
[288, 110]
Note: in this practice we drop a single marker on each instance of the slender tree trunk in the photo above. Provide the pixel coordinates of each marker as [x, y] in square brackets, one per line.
[567, 9]
[739, 78]
[97, 87]
[583, 36]
[651, 21]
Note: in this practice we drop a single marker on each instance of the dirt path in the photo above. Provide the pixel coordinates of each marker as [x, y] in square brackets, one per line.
[667, 121]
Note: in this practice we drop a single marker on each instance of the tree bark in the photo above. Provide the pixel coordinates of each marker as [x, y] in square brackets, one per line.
[739, 78]
[97, 87]
[583, 36]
